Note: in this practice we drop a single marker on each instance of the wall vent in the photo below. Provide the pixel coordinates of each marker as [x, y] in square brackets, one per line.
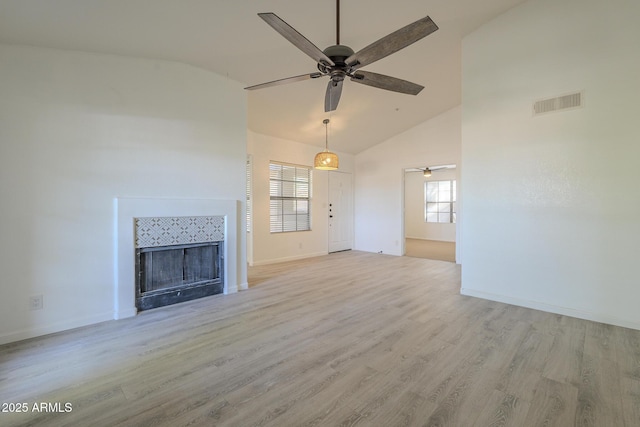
[559, 103]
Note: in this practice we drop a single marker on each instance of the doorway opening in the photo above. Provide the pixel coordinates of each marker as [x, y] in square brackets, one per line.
[430, 212]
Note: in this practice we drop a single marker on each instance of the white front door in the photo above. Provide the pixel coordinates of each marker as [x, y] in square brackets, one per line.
[340, 211]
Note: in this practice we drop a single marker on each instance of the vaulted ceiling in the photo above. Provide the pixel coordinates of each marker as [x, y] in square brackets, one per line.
[228, 38]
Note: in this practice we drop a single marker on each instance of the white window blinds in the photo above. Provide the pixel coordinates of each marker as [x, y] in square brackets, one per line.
[249, 192]
[290, 197]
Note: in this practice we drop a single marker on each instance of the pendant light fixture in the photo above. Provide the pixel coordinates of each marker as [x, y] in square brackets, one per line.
[326, 160]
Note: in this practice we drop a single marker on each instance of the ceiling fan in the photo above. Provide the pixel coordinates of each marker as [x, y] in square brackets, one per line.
[339, 61]
[427, 170]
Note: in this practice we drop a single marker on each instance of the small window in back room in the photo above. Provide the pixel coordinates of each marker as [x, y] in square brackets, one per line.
[290, 197]
[440, 201]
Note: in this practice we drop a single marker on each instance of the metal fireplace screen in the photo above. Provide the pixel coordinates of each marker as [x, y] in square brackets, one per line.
[170, 274]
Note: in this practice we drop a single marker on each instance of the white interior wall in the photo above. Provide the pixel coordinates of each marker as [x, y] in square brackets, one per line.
[550, 202]
[415, 226]
[379, 179]
[78, 130]
[269, 248]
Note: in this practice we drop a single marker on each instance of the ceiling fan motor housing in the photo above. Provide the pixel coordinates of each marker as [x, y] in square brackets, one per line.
[338, 54]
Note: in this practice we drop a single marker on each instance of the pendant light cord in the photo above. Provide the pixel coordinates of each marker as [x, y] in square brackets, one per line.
[326, 134]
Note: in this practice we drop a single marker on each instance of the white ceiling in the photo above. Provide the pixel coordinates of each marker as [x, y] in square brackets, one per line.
[228, 37]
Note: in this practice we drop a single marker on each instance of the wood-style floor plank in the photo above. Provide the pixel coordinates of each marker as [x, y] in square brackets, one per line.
[348, 339]
[503, 410]
[554, 404]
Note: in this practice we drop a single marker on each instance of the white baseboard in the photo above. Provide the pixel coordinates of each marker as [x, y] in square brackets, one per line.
[123, 314]
[53, 328]
[290, 258]
[433, 240]
[550, 308]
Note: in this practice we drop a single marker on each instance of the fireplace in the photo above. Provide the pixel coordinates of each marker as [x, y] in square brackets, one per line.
[168, 275]
[177, 259]
[132, 231]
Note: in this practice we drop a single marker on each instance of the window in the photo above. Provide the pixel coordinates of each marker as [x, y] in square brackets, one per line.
[249, 191]
[440, 201]
[290, 196]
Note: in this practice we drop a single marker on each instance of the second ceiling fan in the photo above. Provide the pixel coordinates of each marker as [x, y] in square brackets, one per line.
[340, 61]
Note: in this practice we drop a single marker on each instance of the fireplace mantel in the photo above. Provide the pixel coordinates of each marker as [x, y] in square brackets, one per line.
[127, 209]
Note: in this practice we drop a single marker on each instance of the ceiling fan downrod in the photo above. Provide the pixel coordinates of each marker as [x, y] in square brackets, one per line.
[337, 21]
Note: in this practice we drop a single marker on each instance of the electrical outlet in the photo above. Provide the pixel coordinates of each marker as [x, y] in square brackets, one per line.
[35, 302]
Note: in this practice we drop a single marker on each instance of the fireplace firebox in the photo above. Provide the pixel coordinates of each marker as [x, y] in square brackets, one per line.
[171, 274]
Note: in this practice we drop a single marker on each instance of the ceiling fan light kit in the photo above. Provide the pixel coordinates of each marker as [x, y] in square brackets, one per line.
[326, 160]
[339, 61]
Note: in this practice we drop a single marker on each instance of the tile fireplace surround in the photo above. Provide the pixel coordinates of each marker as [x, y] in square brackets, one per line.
[126, 212]
[178, 230]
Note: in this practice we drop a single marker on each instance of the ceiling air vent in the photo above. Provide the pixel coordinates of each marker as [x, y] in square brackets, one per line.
[560, 103]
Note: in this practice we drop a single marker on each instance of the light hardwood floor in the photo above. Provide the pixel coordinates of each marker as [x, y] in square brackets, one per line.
[350, 338]
[430, 249]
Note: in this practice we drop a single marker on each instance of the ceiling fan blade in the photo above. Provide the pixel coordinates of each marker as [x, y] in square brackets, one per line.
[285, 81]
[386, 82]
[392, 43]
[298, 40]
[441, 168]
[332, 97]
